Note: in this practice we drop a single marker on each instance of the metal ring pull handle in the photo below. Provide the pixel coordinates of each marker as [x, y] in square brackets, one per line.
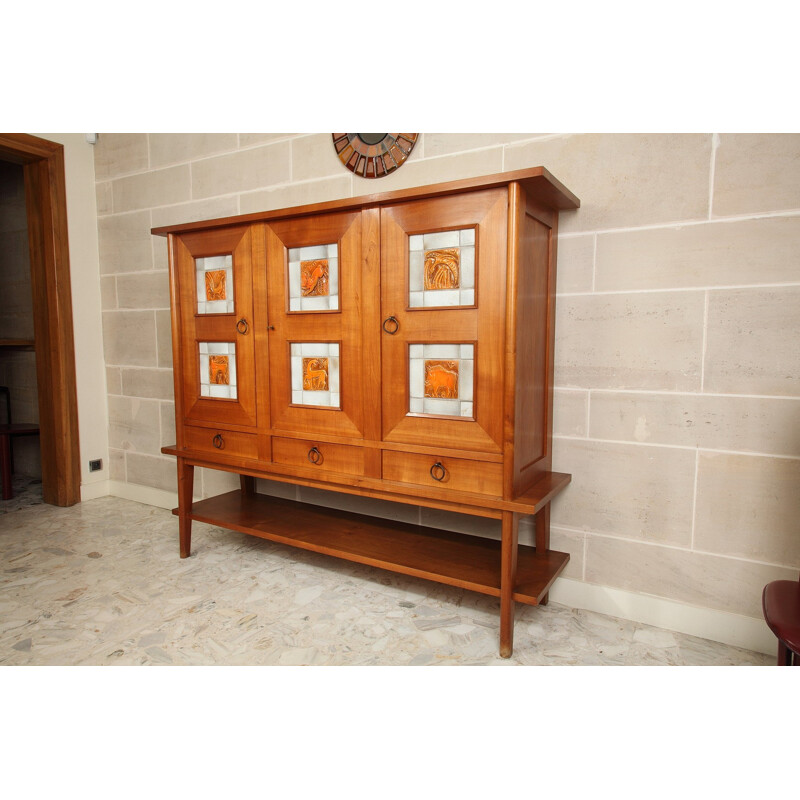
[242, 326]
[438, 472]
[315, 456]
[391, 321]
[218, 441]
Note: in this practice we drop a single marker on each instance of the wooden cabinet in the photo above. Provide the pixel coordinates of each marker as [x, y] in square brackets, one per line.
[396, 346]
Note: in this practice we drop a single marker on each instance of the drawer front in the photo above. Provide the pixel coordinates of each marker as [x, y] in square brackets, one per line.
[221, 442]
[322, 456]
[456, 474]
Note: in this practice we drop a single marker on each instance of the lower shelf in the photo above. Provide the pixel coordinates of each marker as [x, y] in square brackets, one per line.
[469, 562]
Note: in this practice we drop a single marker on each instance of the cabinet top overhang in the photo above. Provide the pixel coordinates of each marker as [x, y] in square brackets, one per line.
[537, 182]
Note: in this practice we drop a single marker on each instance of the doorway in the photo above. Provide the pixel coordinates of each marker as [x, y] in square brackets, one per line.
[42, 163]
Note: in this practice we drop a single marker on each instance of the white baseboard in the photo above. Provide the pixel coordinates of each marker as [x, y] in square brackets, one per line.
[91, 491]
[143, 494]
[706, 623]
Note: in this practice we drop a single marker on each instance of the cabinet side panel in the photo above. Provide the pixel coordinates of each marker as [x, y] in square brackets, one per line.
[533, 367]
[174, 243]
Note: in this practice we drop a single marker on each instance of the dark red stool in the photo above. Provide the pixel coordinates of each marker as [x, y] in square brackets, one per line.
[781, 604]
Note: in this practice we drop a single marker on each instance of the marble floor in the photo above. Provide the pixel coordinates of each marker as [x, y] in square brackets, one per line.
[101, 583]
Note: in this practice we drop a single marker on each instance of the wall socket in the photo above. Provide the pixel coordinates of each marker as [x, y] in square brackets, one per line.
[96, 465]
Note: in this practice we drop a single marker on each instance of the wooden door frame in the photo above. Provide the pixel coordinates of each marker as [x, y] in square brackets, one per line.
[46, 203]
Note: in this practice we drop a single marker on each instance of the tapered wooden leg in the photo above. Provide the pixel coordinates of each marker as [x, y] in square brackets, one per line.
[248, 484]
[784, 655]
[508, 580]
[542, 533]
[185, 490]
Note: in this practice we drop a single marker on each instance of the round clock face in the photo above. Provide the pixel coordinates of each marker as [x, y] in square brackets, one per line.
[373, 155]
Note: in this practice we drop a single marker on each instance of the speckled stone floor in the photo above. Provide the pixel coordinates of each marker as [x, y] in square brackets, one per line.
[101, 583]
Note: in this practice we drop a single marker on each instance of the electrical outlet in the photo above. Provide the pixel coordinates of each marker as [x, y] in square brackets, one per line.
[96, 465]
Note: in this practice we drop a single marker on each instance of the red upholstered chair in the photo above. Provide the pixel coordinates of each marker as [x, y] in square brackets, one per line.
[781, 604]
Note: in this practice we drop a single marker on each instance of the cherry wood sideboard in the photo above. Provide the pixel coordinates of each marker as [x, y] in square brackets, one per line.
[396, 346]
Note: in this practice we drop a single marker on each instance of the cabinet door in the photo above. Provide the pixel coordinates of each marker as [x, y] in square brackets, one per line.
[443, 287]
[216, 320]
[315, 343]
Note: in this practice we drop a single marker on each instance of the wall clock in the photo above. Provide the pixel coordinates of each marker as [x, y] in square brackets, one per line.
[373, 155]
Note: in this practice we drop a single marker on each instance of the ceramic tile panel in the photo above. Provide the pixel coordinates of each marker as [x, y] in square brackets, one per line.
[441, 269]
[215, 284]
[315, 374]
[441, 379]
[314, 278]
[218, 370]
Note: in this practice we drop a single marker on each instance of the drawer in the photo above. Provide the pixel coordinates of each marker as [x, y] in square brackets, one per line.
[457, 474]
[325, 457]
[221, 442]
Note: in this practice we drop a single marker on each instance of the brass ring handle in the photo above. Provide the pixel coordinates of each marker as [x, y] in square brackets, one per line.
[218, 441]
[440, 472]
[242, 326]
[394, 322]
[315, 456]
